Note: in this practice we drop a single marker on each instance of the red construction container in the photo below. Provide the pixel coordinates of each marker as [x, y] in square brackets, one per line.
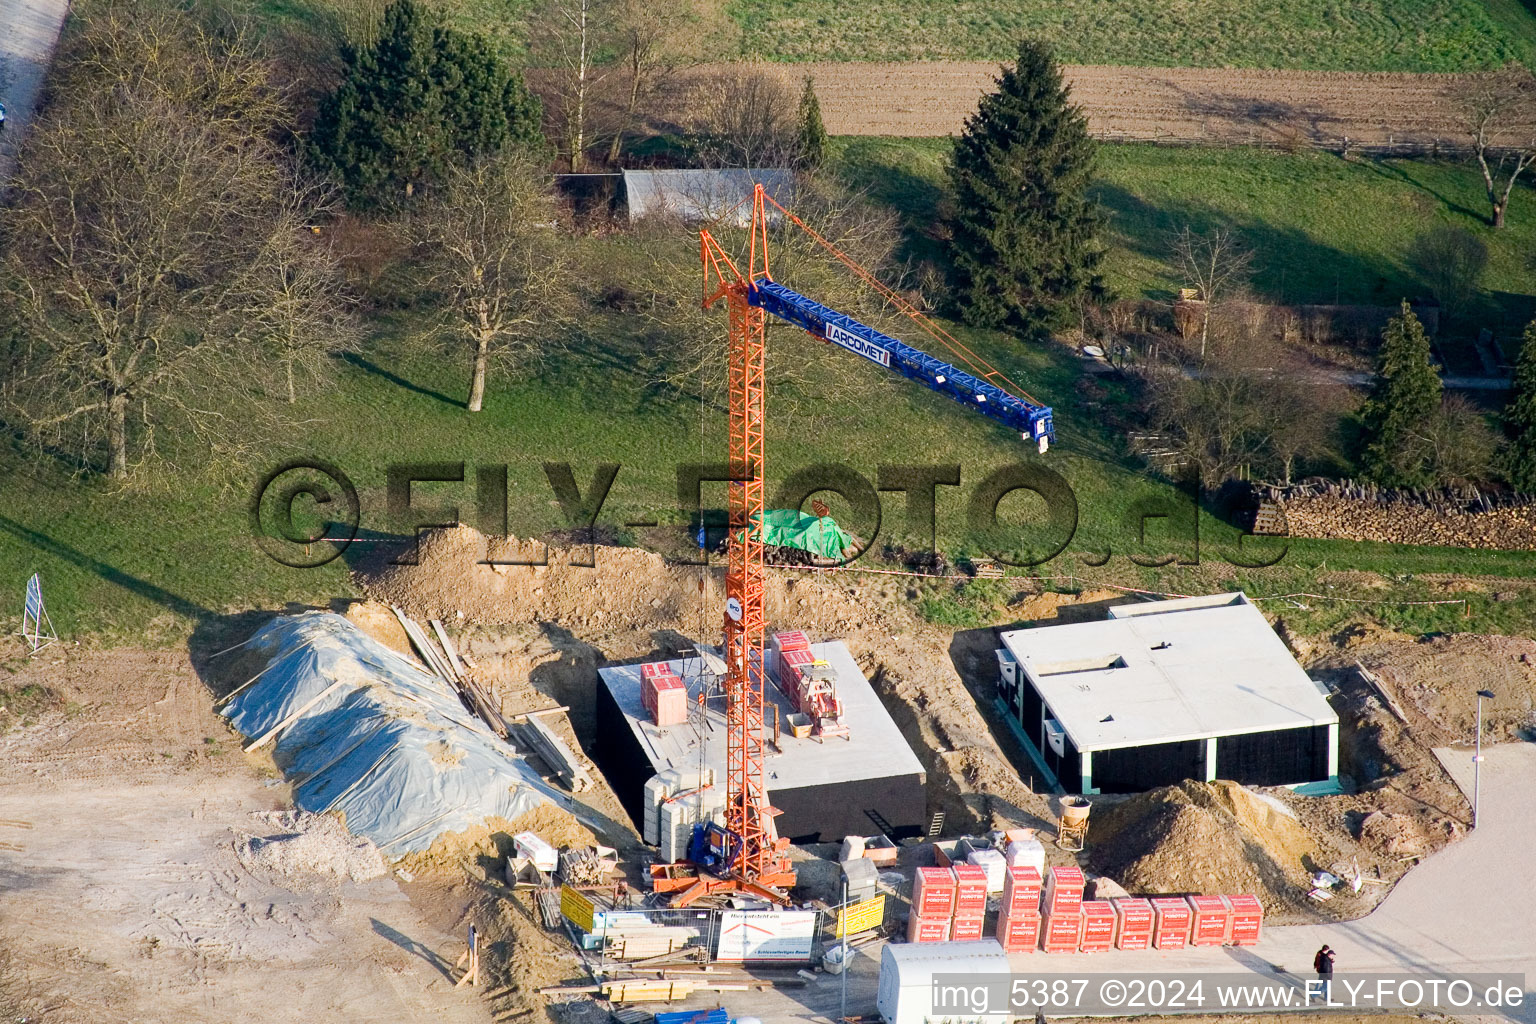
[790, 640]
[1021, 890]
[789, 668]
[1098, 926]
[1063, 891]
[927, 929]
[1133, 925]
[1061, 933]
[648, 682]
[1246, 915]
[967, 928]
[1018, 932]
[667, 699]
[1209, 926]
[1171, 917]
[970, 890]
[933, 893]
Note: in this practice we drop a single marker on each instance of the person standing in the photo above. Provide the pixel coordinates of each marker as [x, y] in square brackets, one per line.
[1322, 963]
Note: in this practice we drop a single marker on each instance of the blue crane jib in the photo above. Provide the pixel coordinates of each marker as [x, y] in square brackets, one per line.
[1033, 421]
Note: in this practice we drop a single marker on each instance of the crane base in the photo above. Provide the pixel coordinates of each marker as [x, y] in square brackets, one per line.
[769, 887]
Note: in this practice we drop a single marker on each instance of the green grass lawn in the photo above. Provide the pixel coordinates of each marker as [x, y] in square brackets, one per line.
[1375, 35]
[1323, 229]
[154, 561]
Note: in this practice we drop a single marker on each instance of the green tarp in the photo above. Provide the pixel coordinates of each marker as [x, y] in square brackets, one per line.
[822, 536]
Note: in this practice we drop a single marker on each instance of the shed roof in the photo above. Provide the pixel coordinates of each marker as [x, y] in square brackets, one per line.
[1167, 671]
[701, 195]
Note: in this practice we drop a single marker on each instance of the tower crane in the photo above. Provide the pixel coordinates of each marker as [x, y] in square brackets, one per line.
[750, 855]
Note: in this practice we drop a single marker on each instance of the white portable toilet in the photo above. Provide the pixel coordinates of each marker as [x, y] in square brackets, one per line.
[906, 979]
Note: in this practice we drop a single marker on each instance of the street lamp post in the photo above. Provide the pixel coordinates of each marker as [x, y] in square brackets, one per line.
[1477, 758]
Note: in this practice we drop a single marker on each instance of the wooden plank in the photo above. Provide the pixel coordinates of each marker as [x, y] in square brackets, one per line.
[316, 699]
[434, 661]
[542, 711]
[1381, 691]
[453, 656]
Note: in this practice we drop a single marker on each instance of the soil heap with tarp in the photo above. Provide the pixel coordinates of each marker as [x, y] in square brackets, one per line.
[362, 730]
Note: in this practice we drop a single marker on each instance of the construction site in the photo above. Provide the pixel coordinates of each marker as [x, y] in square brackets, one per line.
[650, 789]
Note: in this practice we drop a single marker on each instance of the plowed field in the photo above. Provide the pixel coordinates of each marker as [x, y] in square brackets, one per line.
[1151, 104]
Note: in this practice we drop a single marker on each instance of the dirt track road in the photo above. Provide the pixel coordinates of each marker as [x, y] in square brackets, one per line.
[1168, 104]
[28, 31]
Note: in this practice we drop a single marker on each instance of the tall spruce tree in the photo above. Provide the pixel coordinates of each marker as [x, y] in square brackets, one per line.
[1402, 411]
[1023, 228]
[811, 143]
[1520, 418]
[419, 98]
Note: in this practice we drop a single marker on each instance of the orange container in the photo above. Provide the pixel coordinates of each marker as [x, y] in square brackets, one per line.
[927, 929]
[1133, 925]
[666, 698]
[1021, 890]
[933, 893]
[1171, 917]
[1246, 916]
[1018, 932]
[1098, 926]
[1210, 920]
[1061, 933]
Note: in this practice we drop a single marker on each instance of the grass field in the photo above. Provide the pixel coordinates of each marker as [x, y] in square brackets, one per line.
[1376, 35]
[1324, 230]
[160, 559]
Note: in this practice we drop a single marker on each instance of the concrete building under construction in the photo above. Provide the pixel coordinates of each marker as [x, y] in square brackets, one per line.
[1160, 692]
[826, 786]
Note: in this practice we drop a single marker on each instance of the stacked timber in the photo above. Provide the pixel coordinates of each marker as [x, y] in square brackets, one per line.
[1334, 510]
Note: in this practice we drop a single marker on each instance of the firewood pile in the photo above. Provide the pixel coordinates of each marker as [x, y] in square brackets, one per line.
[1347, 510]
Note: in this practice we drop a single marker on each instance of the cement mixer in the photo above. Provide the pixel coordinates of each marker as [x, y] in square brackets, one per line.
[1072, 827]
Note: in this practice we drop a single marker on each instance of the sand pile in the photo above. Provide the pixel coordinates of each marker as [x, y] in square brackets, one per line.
[1203, 837]
[304, 845]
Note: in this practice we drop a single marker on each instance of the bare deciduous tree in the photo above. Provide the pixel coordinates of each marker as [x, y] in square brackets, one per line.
[297, 305]
[647, 37]
[570, 36]
[743, 118]
[1499, 113]
[142, 215]
[1216, 262]
[489, 246]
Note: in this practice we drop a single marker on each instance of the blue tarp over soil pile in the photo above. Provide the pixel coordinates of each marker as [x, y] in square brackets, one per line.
[384, 742]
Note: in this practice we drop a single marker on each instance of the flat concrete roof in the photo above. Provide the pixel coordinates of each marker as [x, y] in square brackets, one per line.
[1168, 671]
[874, 749]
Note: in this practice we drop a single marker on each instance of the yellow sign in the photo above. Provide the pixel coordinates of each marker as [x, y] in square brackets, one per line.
[578, 909]
[861, 917]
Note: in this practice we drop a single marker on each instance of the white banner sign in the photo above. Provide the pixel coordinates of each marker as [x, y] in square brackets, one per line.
[853, 343]
[784, 935]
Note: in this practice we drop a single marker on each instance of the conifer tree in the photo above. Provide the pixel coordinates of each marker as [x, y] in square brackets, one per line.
[1520, 418]
[420, 98]
[812, 141]
[1023, 243]
[1402, 411]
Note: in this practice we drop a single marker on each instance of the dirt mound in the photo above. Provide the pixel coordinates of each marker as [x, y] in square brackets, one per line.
[378, 621]
[306, 845]
[1440, 676]
[1204, 837]
[489, 845]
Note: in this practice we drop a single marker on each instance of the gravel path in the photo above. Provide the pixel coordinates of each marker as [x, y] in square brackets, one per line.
[28, 31]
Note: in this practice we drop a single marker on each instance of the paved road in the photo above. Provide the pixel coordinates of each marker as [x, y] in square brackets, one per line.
[28, 31]
[1469, 908]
